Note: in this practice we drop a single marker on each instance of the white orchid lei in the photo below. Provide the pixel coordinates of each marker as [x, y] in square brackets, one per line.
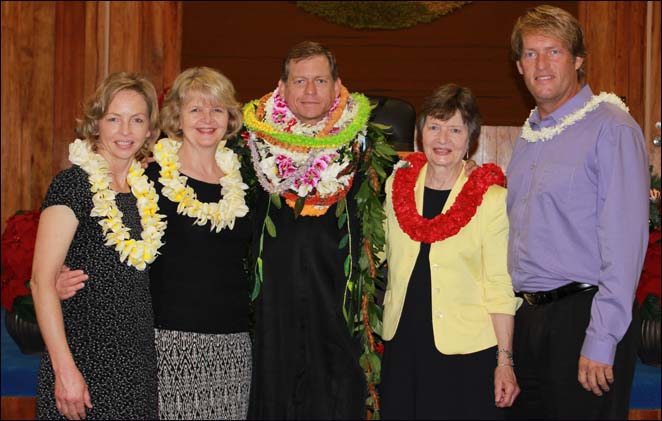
[136, 253]
[232, 204]
[311, 162]
[547, 133]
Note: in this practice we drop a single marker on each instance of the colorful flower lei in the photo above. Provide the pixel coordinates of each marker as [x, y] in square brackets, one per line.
[547, 133]
[137, 253]
[222, 214]
[270, 131]
[447, 224]
[310, 178]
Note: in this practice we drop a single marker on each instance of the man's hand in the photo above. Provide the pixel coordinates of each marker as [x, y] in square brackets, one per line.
[68, 282]
[146, 161]
[469, 167]
[594, 376]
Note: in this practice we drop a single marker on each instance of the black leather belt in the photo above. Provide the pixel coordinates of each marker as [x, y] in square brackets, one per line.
[545, 297]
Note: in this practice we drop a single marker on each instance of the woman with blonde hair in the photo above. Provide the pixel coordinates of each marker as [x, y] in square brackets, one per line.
[199, 287]
[101, 216]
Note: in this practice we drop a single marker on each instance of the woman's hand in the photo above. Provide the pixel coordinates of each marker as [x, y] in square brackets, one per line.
[71, 394]
[505, 386]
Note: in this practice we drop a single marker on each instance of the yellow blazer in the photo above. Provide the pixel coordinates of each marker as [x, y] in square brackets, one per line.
[469, 272]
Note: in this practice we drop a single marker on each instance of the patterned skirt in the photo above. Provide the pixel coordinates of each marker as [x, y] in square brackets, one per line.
[203, 376]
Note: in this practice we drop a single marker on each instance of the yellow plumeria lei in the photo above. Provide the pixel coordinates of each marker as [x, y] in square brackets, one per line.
[547, 133]
[136, 253]
[222, 214]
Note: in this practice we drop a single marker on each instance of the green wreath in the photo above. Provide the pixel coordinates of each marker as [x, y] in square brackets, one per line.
[380, 14]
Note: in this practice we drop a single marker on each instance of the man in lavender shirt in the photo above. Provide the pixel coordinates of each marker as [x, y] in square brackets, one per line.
[578, 207]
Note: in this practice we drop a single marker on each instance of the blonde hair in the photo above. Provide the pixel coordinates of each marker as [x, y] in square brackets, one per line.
[208, 82]
[550, 21]
[97, 106]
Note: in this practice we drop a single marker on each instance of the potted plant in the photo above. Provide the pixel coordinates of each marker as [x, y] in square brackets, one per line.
[18, 242]
[648, 292]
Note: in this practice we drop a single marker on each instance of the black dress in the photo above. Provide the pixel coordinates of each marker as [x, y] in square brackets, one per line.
[109, 324]
[200, 292]
[305, 360]
[418, 381]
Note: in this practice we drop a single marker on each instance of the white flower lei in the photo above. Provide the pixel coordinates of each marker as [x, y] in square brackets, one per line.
[547, 133]
[232, 204]
[137, 253]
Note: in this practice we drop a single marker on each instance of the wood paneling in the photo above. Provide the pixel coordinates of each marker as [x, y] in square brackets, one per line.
[18, 408]
[652, 86]
[615, 35]
[54, 54]
[470, 46]
[495, 145]
[27, 103]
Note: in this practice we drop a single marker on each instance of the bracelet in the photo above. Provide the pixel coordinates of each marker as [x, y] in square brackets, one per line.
[506, 365]
[509, 354]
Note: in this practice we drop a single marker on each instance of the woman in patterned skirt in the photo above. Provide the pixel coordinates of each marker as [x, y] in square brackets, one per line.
[100, 216]
[199, 287]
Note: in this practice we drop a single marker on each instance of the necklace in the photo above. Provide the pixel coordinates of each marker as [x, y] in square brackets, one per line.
[136, 253]
[547, 133]
[222, 214]
[447, 224]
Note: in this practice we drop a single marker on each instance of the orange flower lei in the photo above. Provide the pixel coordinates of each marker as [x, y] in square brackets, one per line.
[447, 224]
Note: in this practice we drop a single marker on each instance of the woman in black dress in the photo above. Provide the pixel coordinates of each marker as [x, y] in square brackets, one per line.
[101, 216]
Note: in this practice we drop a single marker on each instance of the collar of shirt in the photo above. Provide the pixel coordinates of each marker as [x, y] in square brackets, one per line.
[572, 105]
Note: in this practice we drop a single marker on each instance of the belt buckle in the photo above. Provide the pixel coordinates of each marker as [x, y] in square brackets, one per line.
[531, 298]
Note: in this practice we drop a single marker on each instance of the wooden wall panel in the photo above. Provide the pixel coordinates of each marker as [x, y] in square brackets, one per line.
[54, 54]
[615, 34]
[27, 103]
[470, 46]
[652, 86]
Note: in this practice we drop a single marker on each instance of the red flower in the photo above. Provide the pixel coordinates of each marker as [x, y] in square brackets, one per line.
[17, 251]
[452, 221]
[379, 348]
[649, 283]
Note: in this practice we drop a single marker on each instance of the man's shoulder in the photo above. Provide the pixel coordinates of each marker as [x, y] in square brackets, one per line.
[613, 116]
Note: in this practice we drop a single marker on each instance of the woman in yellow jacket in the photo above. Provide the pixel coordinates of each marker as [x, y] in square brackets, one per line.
[449, 303]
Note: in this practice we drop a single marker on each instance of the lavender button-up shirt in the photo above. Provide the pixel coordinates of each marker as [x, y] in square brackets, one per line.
[578, 210]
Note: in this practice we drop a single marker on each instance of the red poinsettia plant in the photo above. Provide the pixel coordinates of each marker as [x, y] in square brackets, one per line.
[648, 292]
[18, 241]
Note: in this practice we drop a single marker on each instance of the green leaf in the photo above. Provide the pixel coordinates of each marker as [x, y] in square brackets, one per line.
[348, 263]
[258, 278]
[375, 362]
[271, 228]
[343, 242]
[340, 207]
[341, 220]
[380, 126]
[275, 199]
[298, 206]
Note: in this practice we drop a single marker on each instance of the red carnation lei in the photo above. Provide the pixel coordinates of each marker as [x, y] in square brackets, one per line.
[447, 224]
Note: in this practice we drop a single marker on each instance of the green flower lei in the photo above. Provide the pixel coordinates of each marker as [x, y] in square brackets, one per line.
[343, 137]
